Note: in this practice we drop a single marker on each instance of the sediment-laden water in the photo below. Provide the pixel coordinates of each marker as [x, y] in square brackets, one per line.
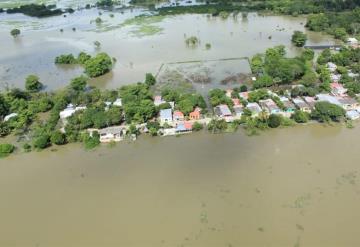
[288, 187]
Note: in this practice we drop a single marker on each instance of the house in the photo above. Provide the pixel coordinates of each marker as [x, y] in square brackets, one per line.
[352, 41]
[330, 99]
[352, 115]
[158, 100]
[8, 117]
[311, 101]
[166, 116]
[301, 105]
[228, 93]
[244, 95]
[118, 102]
[289, 106]
[348, 103]
[335, 77]
[178, 116]
[112, 134]
[184, 127]
[352, 75]
[337, 89]
[254, 108]
[70, 110]
[222, 111]
[195, 115]
[239, 110]
[331, 67]
[270, 106]
[236, 101]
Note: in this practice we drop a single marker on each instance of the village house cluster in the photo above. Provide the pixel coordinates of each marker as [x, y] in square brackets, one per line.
[338, 96]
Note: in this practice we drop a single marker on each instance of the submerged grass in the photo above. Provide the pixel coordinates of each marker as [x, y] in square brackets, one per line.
[144, 25]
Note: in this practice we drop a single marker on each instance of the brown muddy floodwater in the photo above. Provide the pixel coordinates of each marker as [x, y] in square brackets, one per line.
[288, 187]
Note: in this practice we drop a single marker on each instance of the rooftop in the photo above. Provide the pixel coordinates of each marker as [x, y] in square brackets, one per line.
[166, 114]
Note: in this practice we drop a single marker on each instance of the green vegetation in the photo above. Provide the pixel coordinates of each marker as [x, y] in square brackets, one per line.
[192, 41]
[65, 59]
[150, 80]
[218, 96]
[98, 65]
[325, 111]
[15, 32]
[197, 126]
[6, 150]
[35, 10]
[33, 83]
[300, 116]
[217, 126]
[78, 83]
[299, 38]
[274, 121]
[185, 102]
[94, 66]
[58, 138]
[91, 141]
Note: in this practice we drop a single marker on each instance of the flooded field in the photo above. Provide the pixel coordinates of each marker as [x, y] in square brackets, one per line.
[287, 187]
[140, 45]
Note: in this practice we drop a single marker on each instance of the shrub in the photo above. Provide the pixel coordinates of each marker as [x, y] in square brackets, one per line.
[58, 138]
[197, 126]
[300, 116]
[6, 149]
[41, 142]
[274, 121]
[92, 141]
[150, 79]
[15, 32]
[33, 84]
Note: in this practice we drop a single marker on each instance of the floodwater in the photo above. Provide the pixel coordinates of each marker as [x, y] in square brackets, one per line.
[287, 187]
[137, 50]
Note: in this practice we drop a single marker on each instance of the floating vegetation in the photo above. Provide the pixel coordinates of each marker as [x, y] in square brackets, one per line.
[203, 218]
[261, 229]
[224, 14]
[300, 227]
[347, 178]
[144, 25]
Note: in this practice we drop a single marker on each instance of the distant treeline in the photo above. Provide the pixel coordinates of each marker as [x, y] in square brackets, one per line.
[36, 10]
[294, 7]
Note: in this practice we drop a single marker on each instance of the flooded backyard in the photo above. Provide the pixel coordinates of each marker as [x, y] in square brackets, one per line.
[139, 45]
[287, 187]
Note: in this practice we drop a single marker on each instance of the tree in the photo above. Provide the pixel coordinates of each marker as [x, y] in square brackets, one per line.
[257, 64]
[243, 88]
[325, 111]
[309, 79]
[217, 125]
[308, 54]
[150, 80]
[263, 81]
[299, 38]
[6, 150]
[15, 32]
[33, 84]
[91, 141]
[83, 57]
[274, 121]
[300, 116]
[41, 141]
[58, 138]
[79, 83]
[257, 95]
[340, 33]
[65, 59]
[98, 65]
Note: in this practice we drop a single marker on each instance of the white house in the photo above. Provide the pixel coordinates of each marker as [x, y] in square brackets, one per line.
[70, 110]
[166, 116]
[117, 102]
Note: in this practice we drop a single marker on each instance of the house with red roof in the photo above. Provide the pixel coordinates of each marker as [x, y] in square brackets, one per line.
[178, 116]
